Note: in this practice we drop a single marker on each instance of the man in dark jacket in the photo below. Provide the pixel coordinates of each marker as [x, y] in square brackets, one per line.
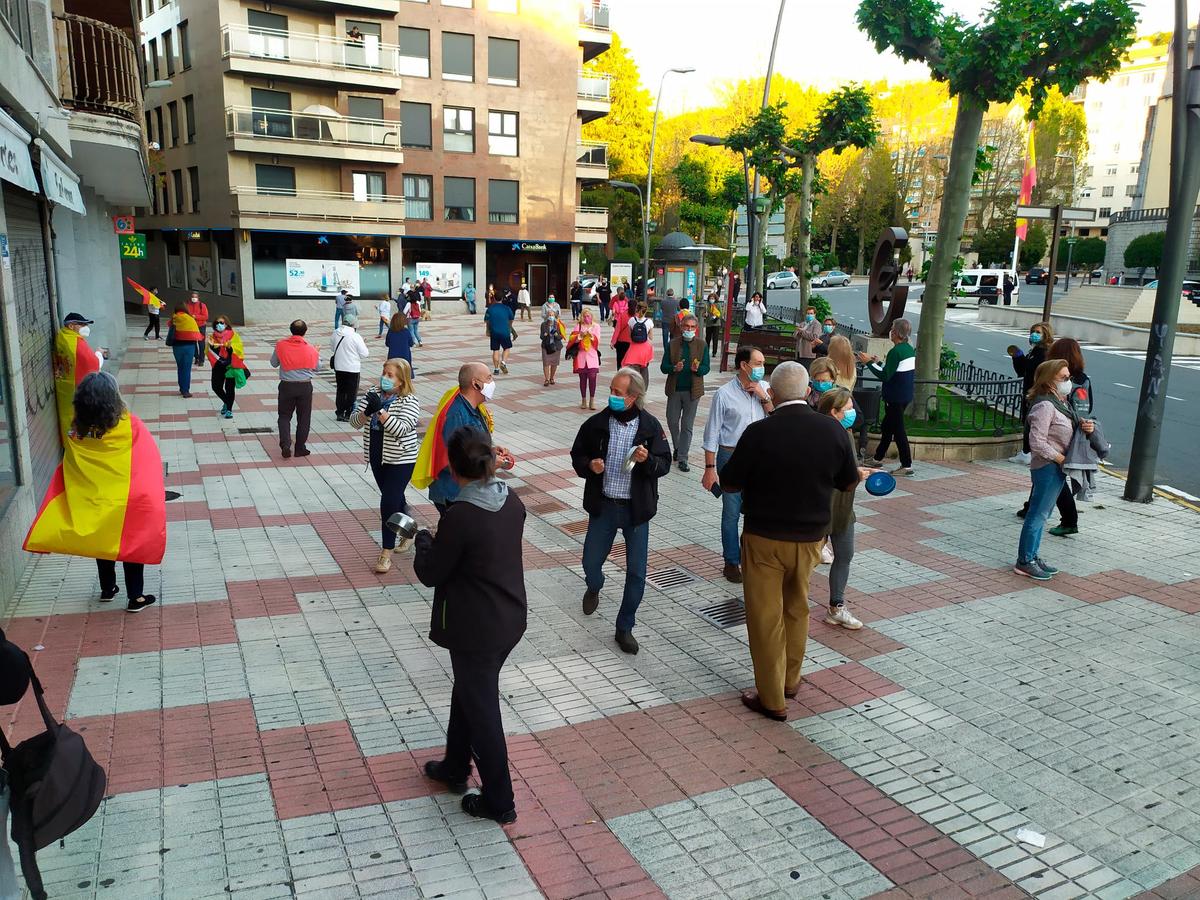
[787, 467]
[620, 500]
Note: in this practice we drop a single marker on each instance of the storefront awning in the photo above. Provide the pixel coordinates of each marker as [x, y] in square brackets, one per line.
[16, 166]
[60, 183]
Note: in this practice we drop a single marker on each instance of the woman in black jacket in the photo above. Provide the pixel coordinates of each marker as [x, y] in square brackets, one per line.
[1041, 336]
[474, 566]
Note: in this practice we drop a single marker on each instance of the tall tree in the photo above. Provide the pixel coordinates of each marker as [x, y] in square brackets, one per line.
[1018, 45]
[876, 200]
[626, 128]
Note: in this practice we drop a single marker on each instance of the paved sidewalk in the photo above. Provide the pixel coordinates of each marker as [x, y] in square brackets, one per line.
[264, 725]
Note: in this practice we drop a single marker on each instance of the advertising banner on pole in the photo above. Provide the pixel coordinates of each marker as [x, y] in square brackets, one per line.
[620, 273]
[318, 277]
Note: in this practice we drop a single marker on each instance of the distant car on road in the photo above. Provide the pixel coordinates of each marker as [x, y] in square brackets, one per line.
[977, 287]
[1037, 275]
[783, 280]
[831, 278]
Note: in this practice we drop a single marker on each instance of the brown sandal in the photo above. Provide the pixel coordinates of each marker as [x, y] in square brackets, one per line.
[750, 701]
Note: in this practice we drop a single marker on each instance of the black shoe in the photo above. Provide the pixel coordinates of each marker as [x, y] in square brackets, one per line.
[1021, 512]
[683, 466]
[303, 451]
[732, 573]
[185, 396]
[105, 596]
[433, 770]
[287, 453]
[140, 604]
[591, 599]
[473, 805]
[627, 642]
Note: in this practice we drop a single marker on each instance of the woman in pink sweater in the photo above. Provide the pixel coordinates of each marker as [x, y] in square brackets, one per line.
[586, 338]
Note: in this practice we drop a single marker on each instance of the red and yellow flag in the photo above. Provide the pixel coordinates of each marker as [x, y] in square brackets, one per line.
[148, 297]
[185, 327]
[73, 361]
[433, 457]
[237, 353]
[1028, 182]
[106, 501]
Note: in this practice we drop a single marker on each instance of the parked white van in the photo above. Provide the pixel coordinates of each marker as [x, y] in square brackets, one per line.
[975, 287]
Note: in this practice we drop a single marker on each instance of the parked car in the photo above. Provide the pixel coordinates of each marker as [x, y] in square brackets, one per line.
[831, 278]
[783, 280]
[975, 287]
[1191, 290]
[589, 283]
[1037, 275]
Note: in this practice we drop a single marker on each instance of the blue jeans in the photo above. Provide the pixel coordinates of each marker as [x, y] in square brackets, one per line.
[337, 318]
[602, 531]
[414, 325]
[185, 356]
[731, 511]
[1047, 481]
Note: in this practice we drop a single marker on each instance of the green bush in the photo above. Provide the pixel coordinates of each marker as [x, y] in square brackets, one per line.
[821, 305]
[949, 357]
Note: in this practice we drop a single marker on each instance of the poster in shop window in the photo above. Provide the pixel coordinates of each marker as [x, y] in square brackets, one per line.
[321, 277]
[229, 277]
[446, 278]
[200, 276]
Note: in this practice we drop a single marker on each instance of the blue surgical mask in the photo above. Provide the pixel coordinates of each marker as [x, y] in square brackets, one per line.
[689, 335]
[757, 373]
[1035, 337]
[810, 318]
[616, 403]
[822, 386]
[828, 329]
[848, 417]
[220, 326]
[388, 384]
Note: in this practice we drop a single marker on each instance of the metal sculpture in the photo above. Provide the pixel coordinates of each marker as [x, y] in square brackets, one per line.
[884, 285]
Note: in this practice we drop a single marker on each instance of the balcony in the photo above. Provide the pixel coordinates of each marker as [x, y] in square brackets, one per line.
[594, 34]
[267, 208]
[595, 95]
[591, 162]
[317, 131]
[385, 7]
[367, 65]
[591, 225]
[99, 81]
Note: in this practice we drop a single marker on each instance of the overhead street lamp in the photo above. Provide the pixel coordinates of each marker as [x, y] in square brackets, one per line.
[630, 186]
[650, 182]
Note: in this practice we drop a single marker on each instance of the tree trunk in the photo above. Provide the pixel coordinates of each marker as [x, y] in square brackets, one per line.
[809, 167]
[862, 240]
[836, 227]
[955, 203]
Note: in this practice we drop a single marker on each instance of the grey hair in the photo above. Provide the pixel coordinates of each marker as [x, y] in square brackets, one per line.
[902, 328]
[637, 386]
[789, 381]
[350, 319]
[690, 318]
[98, 405]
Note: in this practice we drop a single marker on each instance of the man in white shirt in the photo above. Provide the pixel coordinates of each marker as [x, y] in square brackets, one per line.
[741, 400]
[524, 302]
[754, 311]
[384, 309]
[347, 351]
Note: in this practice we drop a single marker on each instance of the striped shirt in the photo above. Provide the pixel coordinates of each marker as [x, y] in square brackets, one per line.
[400, 442]
[617, 482]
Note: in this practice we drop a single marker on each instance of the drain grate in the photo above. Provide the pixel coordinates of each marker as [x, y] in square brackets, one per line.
[669, 578]
[725, 614]
[173, 495]
[575, 528]
[256, 431]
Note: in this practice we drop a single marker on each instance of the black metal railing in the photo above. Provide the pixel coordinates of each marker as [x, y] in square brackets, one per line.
[99, 67]
[1153, 214]
[965, 399]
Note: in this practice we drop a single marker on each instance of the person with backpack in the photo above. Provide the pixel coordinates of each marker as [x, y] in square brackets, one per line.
[620, 317]
[553, 333]
[640, 352]
[414, 315]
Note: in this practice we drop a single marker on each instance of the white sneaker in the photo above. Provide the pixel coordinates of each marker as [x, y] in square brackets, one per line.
[826, 554]
[842, 616]
[1022, 458]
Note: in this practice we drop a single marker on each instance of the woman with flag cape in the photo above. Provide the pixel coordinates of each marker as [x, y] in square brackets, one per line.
[226, 355]
[74, 360]
[183, 337]
[106, 500]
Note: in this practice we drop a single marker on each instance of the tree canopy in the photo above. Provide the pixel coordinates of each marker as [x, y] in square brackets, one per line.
[626, 128]
[1146, 251]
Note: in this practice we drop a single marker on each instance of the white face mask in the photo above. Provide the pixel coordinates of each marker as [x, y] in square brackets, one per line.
[488, 390]
[85, 331]
[1064, 388]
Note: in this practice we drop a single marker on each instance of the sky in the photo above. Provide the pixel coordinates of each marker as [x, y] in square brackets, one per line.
[819, 43]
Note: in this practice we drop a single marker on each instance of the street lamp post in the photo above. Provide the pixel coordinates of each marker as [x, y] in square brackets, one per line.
[630, 186]
[650, 182]
[1071, 234]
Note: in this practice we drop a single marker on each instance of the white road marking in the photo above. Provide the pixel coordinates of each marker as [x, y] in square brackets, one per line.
[1118, 384]
[1178, 493]
[1178, 399]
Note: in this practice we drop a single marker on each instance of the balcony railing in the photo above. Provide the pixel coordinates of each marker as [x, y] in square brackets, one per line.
[333, 206]
[592, 154]
[99, 68]
[594, 14]
[310, 127]
[368, 54]
[1156, 213]
[594, 86]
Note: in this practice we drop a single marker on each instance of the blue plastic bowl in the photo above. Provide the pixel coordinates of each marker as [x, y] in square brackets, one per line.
[880, 484]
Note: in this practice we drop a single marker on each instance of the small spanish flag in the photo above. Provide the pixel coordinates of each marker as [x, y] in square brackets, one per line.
[106, 500]
[148, 297]
[237, 355]
[432, 457]
[73, 361]
[185, 327]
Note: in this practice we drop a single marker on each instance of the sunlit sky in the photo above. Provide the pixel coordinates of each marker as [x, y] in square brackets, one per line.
[731, 39]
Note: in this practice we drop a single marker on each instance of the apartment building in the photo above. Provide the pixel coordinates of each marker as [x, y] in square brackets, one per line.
[312, 145]
[72, 155]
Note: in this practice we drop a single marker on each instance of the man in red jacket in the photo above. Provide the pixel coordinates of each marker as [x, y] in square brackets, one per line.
[198, 310]
[297, 361]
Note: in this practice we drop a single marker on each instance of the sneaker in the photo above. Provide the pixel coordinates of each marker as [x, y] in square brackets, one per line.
[840, 615]
[627, 642]
[473, 805]
[683, 466]
[495, 371]
[1032, 570]
[504, 368]
[229, 413]
[106, 596]
[591, 599]
[733, 573]
[871, 462]
[1064, 530]
[224, 409]
[1046, 567]
[903, 470]
[1022, 458]
[435, 770]
[136, 606]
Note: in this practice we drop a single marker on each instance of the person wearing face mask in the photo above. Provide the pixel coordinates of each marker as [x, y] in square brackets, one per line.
[754, 312]
[551, 307]
[822, 377]
[552, 335]
[640, 353]
[620, 319]
[714, 321]
[735, 405]
[808, 332]
[228, 359]
[898, 375]
[462, 406]
[1041, 336]
[620, 453]
[787, 467]
[1052, 424]
[821, 347]
[347, 350]
[388, 419]
[198, 310]
[183, 337]
[74, 360]
[583, 349]
[685, 364]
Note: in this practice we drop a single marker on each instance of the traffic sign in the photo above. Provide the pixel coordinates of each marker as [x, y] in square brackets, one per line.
[1069, 213]
[122, 224]
[133, 246]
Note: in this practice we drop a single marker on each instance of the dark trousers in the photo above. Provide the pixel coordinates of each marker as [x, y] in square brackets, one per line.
[622, 347]
[476, 730]
[891, 429]
[346, 393]
[151, 325]
[295, 397]
[223, 387]
[392, 481]
[200, 345]
[713, 334]
[134, 577]
[603, 309]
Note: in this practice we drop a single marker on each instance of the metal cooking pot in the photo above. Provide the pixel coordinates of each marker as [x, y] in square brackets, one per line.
[405, 528]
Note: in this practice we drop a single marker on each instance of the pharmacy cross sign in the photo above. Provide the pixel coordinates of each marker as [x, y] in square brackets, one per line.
[1059, 214]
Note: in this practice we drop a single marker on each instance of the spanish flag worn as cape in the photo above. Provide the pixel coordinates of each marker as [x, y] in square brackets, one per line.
[237, 355]
[106, 500]
[73, 361]
[185, 327]
[433, 457]
[148, 297]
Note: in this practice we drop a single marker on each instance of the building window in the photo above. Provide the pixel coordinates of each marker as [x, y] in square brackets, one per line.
[194, 187]
[189, 118]
[185, 49]
[459, 197]
[1131, 190]
[368, 185]
[365, 115]
[154, 59]
[267, 35]
[1110, 170]
[416, 127]
[505, 6]
[503, 202]
[276, 180]
[458, 56]
[177, 179]
[502, 133]
[418, 197]
[158, 121]
[173, 120]
[1104, 212]
[462, 4]
[168, 42]
[414, 52]
[1106, 191]
[149, 128]
[1087, 171]
[458, 129]
[1135, 168]
[165, 205]
[503, 61]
